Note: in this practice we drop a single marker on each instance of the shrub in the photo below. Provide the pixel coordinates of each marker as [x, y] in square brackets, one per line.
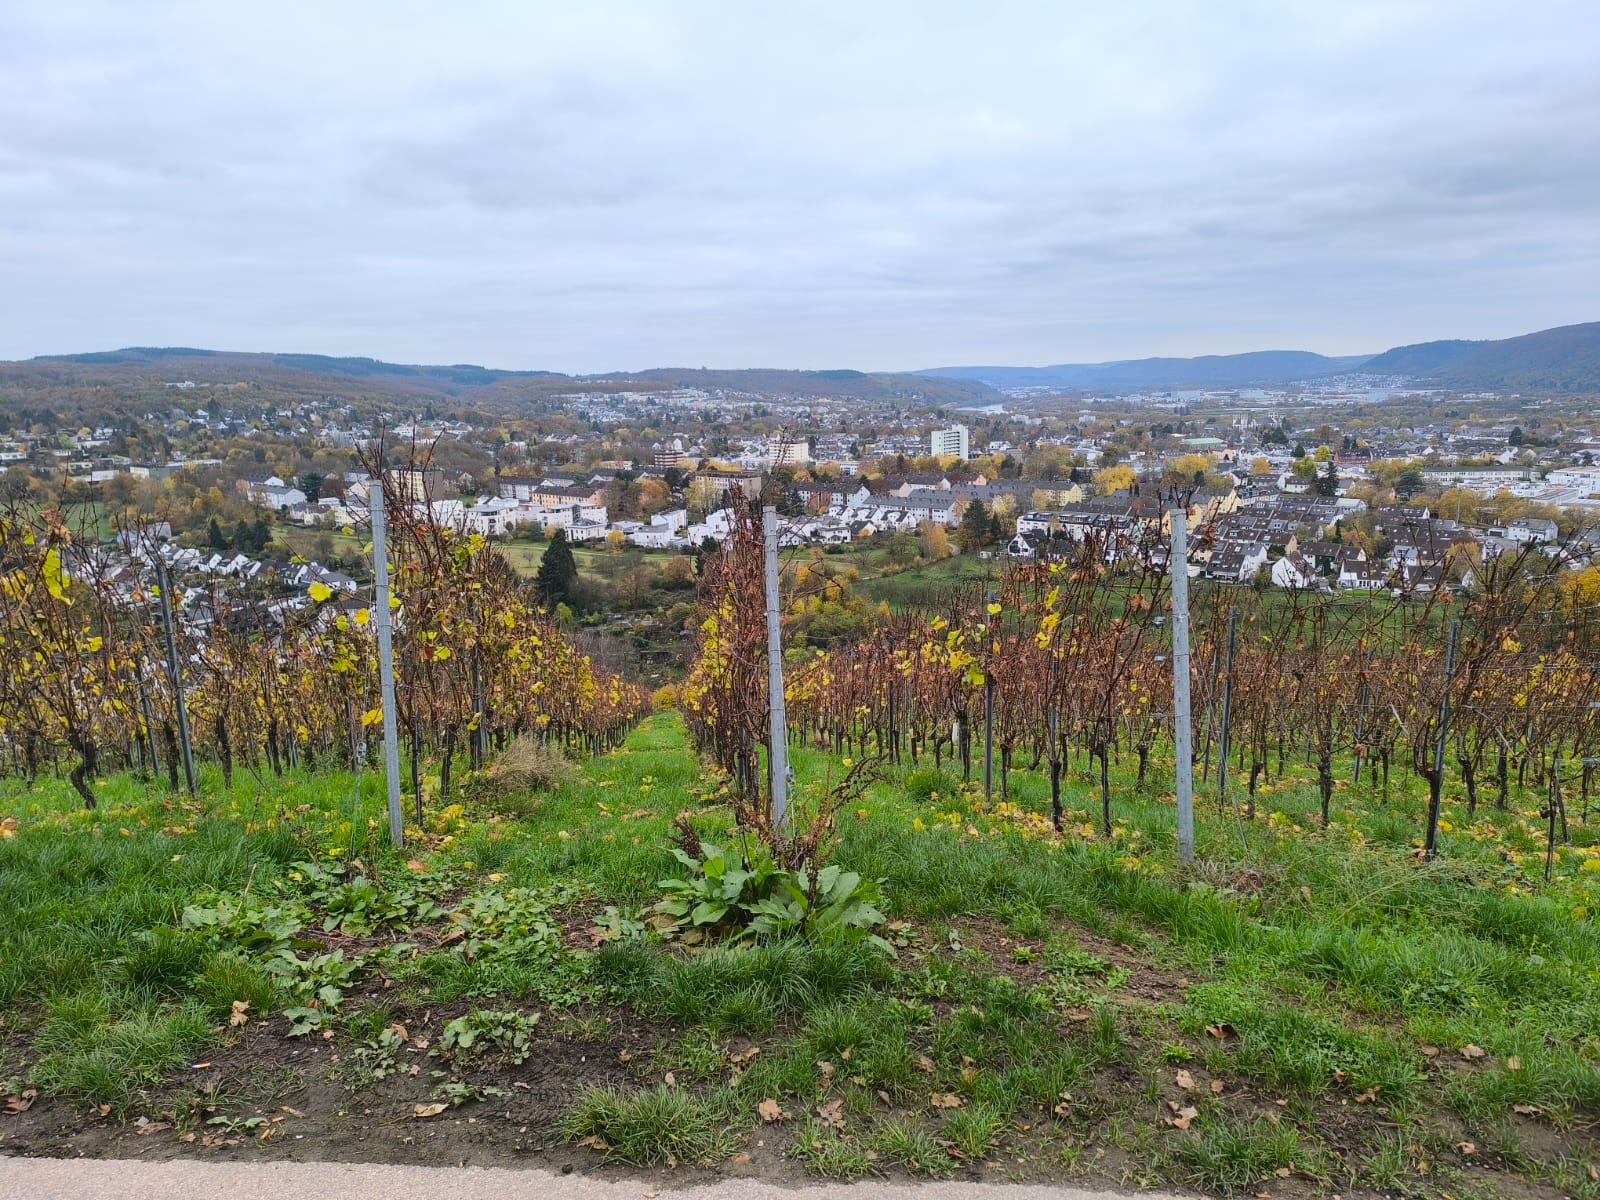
[740, 900]
[525, 768]
[664, 698]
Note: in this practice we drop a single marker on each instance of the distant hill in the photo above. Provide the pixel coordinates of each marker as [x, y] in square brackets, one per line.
[1565, 359]
[1211, 370]
[464, 382]
[862, 384]
[1424, 358]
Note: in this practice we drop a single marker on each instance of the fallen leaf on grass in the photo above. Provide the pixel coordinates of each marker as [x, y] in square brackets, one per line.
[832, 1113]
[1216, 1087]
[1429, 1051]
[22, 1102]
[240, 1014]
[1186, 1081]
[1467, 1147]
[945, 1100]
[150, 1127]
[1472, 1052]
[1283, 1172]
[1065, 1107]
[594, 1143]
[743, 1056]
[1185, 1117]
[739, 1160]
[399, 1031]
[417, 865]
[1526, 1110]
[924, 1063]
[770, 1111]
[1222, 1032]
[670, 1079]
[424, 1111]
[1367, 1096]
[1513, 1063]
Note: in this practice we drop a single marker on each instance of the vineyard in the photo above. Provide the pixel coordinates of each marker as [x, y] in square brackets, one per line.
[1069, 662]
[969, 950]
[93, 667]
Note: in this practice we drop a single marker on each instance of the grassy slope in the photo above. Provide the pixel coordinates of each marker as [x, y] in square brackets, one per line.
[1333, 965]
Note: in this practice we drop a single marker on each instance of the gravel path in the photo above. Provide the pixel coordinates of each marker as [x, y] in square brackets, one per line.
[100, 1179]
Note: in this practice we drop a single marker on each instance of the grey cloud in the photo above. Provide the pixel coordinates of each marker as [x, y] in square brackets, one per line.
[895, 185]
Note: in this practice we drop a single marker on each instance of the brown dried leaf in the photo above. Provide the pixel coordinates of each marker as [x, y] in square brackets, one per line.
[832, 1113]
[399, 1031]
[1472, 1052]
[1429, 1051]
[1185, 1117]
[23, 1101]
[670, 1079]
[1186, 1081]
[1526, 1110]
[1513, 1063]
[945, 1100]
[150, 1127]
[1216, 1087]
[769, 1111]
[594, 1143]
[1222, 1032]
[924, 1063]
[240, 1014]
[1467, 1147]
[424, 1111]
[1367, 1096]
[293, 1112]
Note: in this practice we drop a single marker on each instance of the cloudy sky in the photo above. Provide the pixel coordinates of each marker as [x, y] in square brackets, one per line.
[594, 186]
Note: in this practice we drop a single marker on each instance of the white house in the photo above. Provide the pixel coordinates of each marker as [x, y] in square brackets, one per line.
[1532, 531]
[1292, 571]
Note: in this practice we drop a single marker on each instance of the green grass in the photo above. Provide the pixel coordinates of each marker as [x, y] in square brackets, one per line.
[1229, 1156]
[1294, 963]
[650, 1127]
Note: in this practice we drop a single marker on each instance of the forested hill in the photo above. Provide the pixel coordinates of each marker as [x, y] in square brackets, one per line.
[1565, 359]
[461, 382]
[1211, 370]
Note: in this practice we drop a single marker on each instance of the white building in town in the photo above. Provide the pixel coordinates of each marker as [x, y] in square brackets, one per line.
[943, 442]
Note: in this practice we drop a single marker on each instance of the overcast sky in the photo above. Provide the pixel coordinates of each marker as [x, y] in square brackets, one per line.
[585, 186]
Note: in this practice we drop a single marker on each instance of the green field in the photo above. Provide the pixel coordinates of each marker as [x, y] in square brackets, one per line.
[1309, 1001]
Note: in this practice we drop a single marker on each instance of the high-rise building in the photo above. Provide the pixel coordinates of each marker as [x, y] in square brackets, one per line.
[945, 442]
